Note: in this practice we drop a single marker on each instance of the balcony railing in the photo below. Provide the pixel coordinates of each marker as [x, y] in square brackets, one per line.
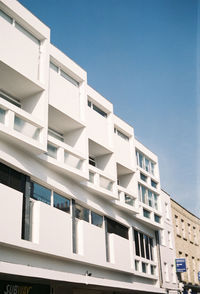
[98, 178]
[16, 119]
[65, 154]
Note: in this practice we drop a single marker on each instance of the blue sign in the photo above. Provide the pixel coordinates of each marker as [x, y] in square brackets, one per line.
[180, 265]
[199, 276]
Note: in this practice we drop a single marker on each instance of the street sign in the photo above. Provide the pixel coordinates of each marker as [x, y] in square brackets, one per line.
[180, 265]
[199, 276]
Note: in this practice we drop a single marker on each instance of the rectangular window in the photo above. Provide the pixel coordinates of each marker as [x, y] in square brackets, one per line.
[177, 225]
[146, 213]
[129, 200]
[146, 242]
[96, 219]
[153, 268]
[56, 135]
[52, 150]
[41, 193]
[157, 218]
[120, 134]
[69, 78]
[137, 246]
[150, 198]
[151, 248]
[114, 227]
[2, 115]
[61, 202]
[54, 67]
[91, 177]
[89, 103]
[155, 196]
[183, 228]
[81, 213]
[99, 111]
[92, 161]
[142, 245]
[12, 178]
[27, 33]
[143, 177]
[153, 184]
[137, 265]
[144, 267]
[145, 162]
[10, 99]
[6, 17]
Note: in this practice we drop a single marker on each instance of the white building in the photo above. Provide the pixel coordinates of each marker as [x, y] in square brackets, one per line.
[80, 196]
[167, 246]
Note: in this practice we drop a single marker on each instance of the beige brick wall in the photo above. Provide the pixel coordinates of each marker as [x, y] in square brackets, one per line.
[187, 241]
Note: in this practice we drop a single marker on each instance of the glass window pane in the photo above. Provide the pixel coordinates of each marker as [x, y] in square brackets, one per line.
[137, 248]
[146, 213]
[140, 160]
[144, 192]
[26, 33]
[157, 218]
[41, 193]
[54, 67]
[146, 164]
[97, 219]
[153, 184]
[144, 267]
[61, 202]
[5, 16]
[81, 212]
[114, 227]
[136, 265]
[155, 201]
[142, 245]
[26, 128]
[68, 78]
[129, 200]
[2, 115]
[143, 177]
[151, 248]
[101, 112]
[146, 240]
[150, 198]
[52, 151]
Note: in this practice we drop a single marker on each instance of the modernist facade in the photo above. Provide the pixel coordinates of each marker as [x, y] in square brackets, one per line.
[187, 243]
[81, 206]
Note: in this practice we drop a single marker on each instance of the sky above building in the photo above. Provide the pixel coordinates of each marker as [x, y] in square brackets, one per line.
[142, 55]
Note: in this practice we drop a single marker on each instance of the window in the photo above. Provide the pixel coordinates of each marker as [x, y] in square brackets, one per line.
[6, 17]
[2, 115]
[12, 178]
[41, 193]
[61, 202]
[54, 67]
[56, 135]
[52, 150]
[92, 161]
[69, 78]
[129, 200]
[146, 213]
[143, 245]
[91, 177]
[147, 196]
[153, 269]
[157, 218]
[27, 33]
[144, 267]
[96, 219]
[10, 99]
[81, 213]
[114, 227]
[183, 228]
[120, 134]
[143, 177]
[97, 109]
[177, 225]
[137, 265]
[153, 184]
[145, 162]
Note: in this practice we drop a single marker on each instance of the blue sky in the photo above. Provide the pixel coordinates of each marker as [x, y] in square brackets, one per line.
[142, 56]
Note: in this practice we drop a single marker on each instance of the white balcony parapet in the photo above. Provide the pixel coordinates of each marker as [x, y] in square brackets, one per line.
[17, 120]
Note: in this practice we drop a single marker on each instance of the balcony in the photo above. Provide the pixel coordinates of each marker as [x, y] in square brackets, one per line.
[20, 51]
[17, 126]
[65, 159]
[126, 201]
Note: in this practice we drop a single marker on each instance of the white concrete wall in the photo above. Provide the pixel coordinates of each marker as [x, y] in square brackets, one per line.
[10, 215]
[64, 96]
[91, 242]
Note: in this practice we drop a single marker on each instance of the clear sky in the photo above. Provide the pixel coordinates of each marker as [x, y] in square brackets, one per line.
[142, 56]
